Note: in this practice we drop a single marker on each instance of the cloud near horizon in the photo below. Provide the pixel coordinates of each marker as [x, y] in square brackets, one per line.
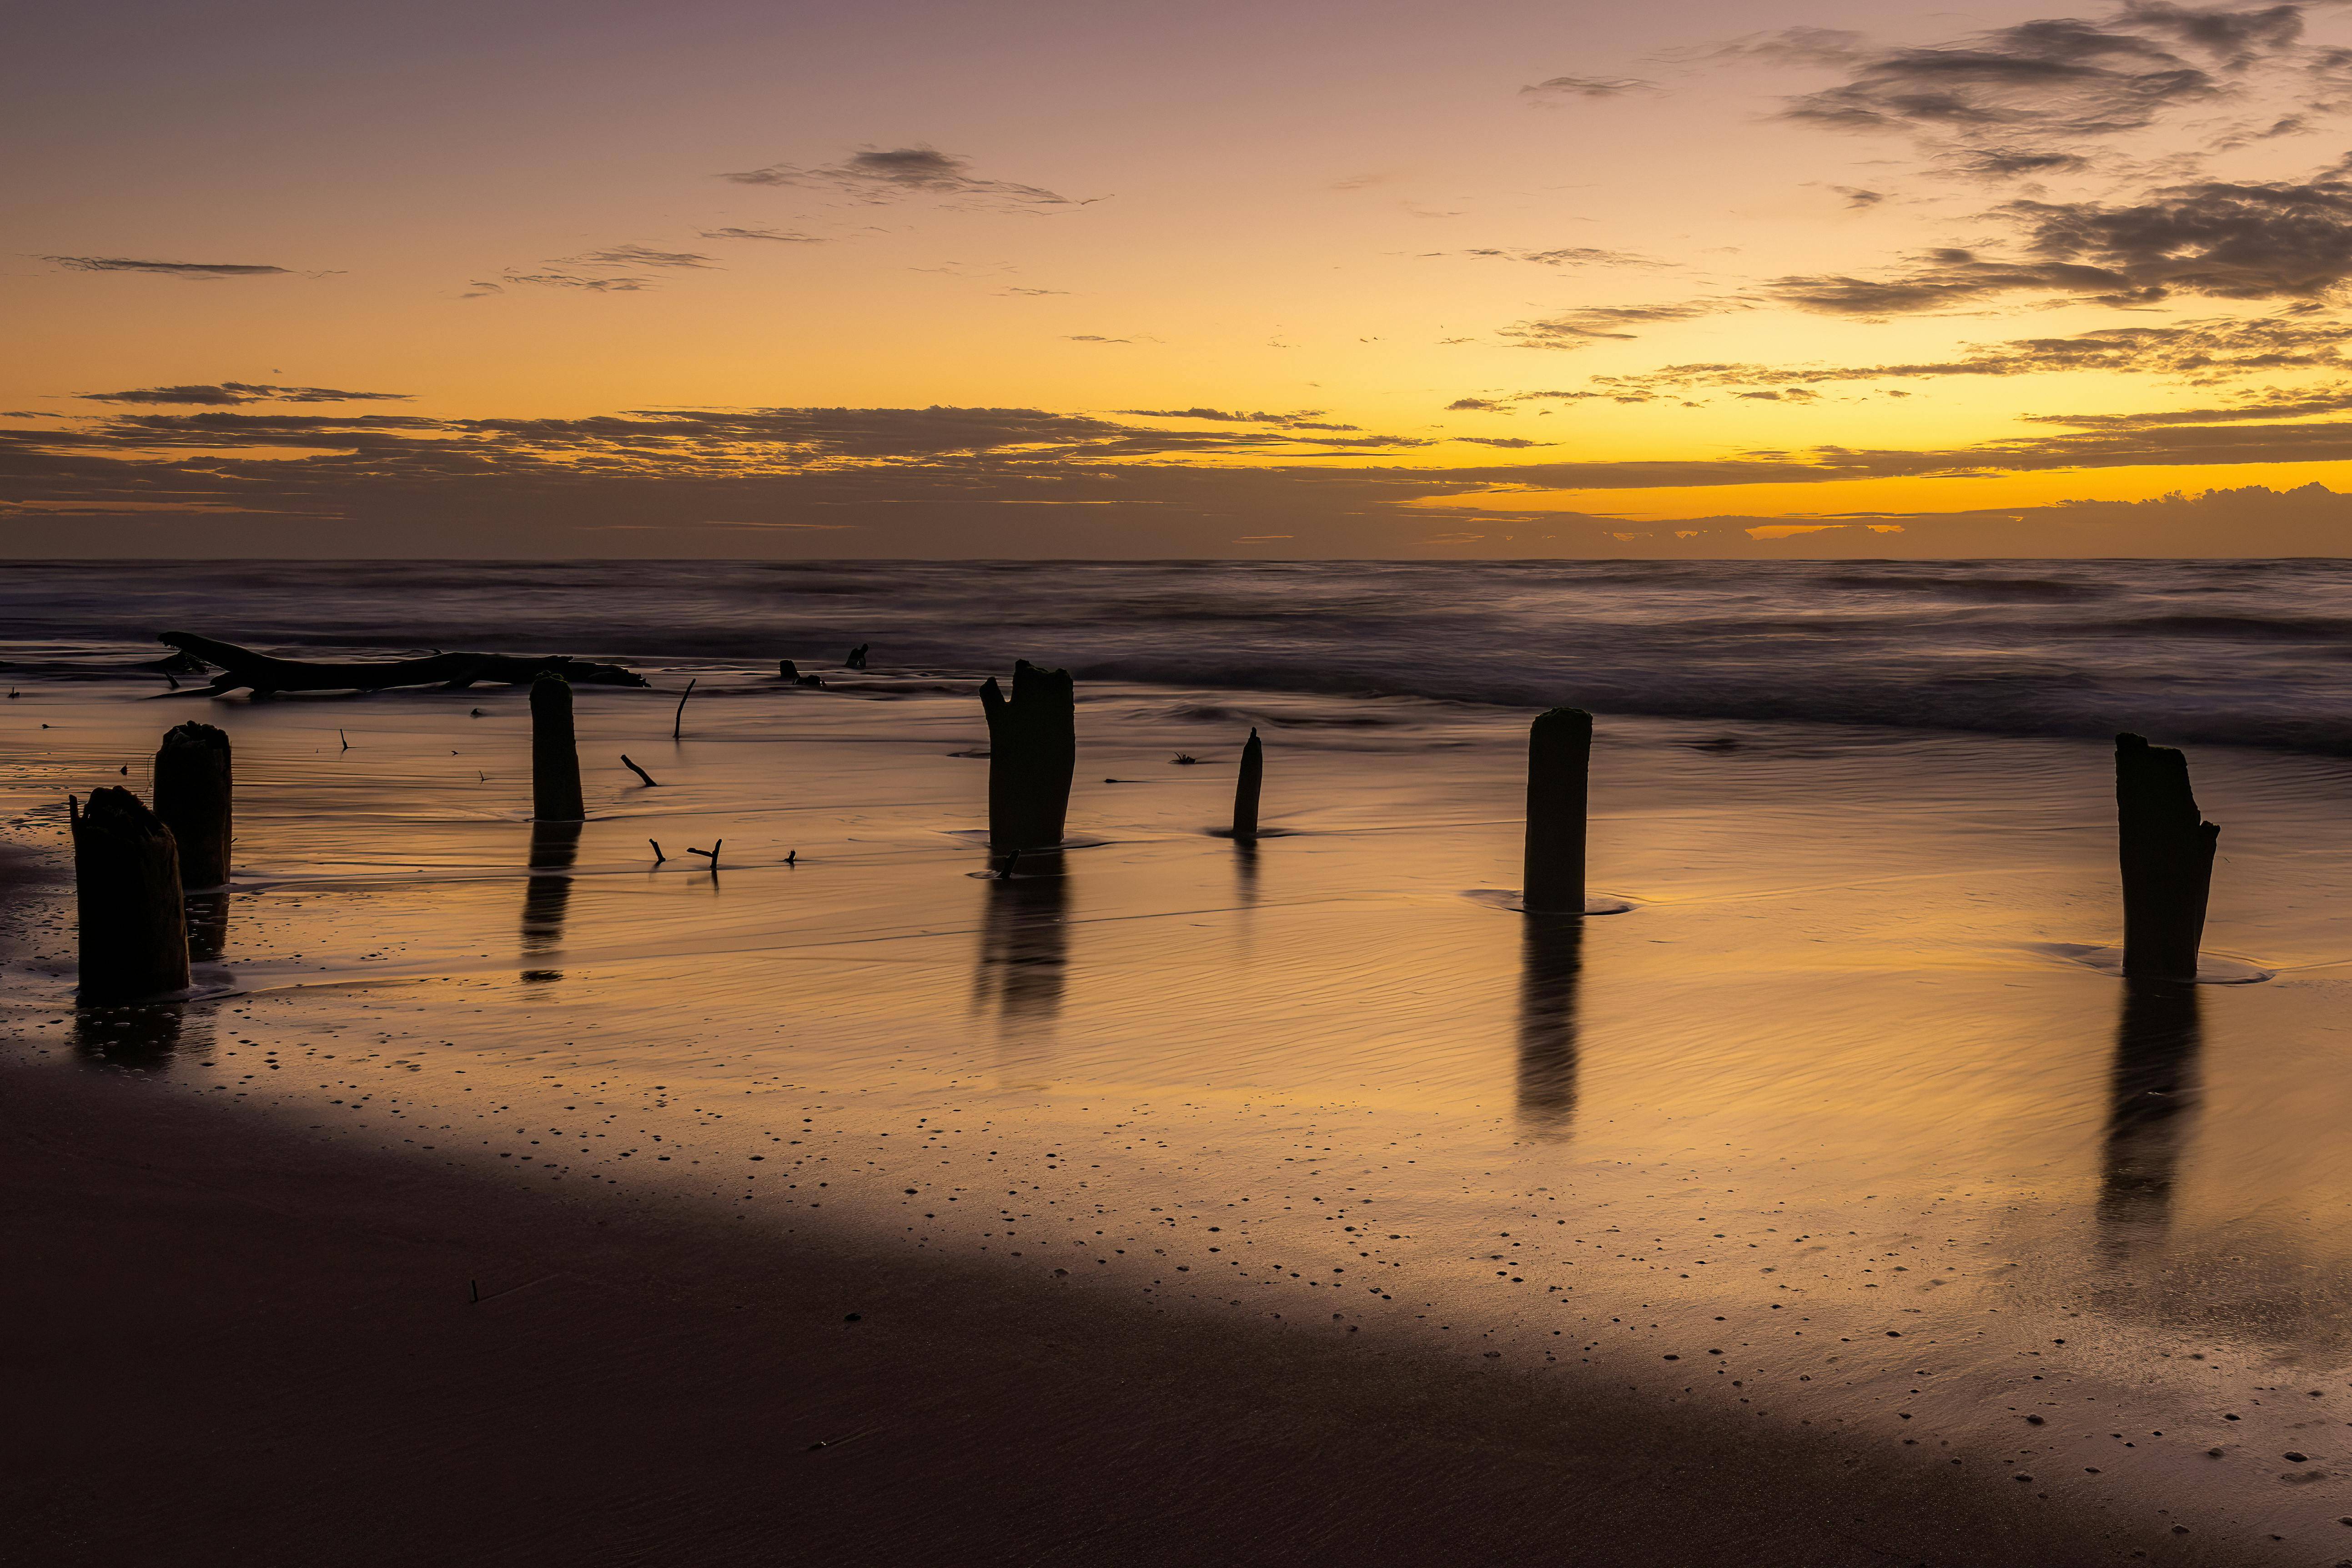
[907, 474]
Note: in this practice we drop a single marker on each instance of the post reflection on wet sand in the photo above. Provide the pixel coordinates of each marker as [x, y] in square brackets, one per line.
[2152, 1091]
[1023, 962]
[207, 925]
[555, 847]
[143, 1037]
[1551, 962]
[1245, 871]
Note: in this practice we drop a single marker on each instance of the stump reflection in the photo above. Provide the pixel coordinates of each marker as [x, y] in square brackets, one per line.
[1024, 963]
[1552, 963]
[2152, 1092]
[555, 847]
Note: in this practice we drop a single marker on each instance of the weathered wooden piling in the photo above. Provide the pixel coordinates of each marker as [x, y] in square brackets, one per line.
[1560, 752]
[1032, 750]
[1246, 788]
[193, 797]
[2166, 855]
[133, 918]
[555, 755]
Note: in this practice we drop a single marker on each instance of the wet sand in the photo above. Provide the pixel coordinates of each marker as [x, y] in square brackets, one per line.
[1795, 1215]
[242, 1348]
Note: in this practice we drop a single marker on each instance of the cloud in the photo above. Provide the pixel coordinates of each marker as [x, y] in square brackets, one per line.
[1569, 88]
[1304, 419]
[2207, 352]
[2235, 240]
[1092, 338]
[1033, 293]
[1578, 329]
[168, 268]
[636, 255]
[1510, 441]
[1570, 255]
[2031, 99]
[228, 393]
[1857, 197]
[2010, 162]
[614, 284]
[1941, 280]
[2222, 239]
[779, 235]
[893, 174]
[2057, 76]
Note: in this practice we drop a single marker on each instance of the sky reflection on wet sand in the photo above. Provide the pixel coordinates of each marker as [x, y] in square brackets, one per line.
[1820, 1133]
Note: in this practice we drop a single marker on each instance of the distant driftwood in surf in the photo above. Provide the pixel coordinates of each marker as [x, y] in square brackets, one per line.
[242, 669]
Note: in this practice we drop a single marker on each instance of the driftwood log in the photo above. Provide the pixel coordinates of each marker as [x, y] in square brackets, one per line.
[133, 922]
[1559, 751]
[243, 669]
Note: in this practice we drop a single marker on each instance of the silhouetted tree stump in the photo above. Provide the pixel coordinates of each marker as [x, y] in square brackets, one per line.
[2167, 854]
[1560, 752]
[1246, 788]
[1032, 750]
[134, 931]
[555, 755]
[193, 797]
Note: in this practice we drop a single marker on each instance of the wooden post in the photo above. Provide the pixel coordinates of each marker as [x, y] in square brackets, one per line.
[1560, 752]
[1032, 750]
[554, 759]
[193, 797]
[2166, 855]
[134, 930]
[1246, 789]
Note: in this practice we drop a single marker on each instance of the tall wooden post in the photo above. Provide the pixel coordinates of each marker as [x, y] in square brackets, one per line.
[1032, 750]
[1560, 752]
[134, 930]
[2166, 855]
[1246, 789]
[554, 756]
[193, 797]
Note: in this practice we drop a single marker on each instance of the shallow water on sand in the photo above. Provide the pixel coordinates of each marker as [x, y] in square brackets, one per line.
[1829, 1132]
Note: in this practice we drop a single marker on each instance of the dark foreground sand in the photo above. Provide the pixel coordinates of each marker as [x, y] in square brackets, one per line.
[230, 1346]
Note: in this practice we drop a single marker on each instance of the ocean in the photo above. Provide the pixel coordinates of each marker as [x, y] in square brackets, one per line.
[2253, 653]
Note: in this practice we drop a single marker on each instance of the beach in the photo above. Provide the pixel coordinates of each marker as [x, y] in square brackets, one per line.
[1301, 1201]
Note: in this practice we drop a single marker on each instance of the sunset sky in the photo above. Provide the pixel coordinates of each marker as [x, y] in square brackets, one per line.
[1112, 279]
